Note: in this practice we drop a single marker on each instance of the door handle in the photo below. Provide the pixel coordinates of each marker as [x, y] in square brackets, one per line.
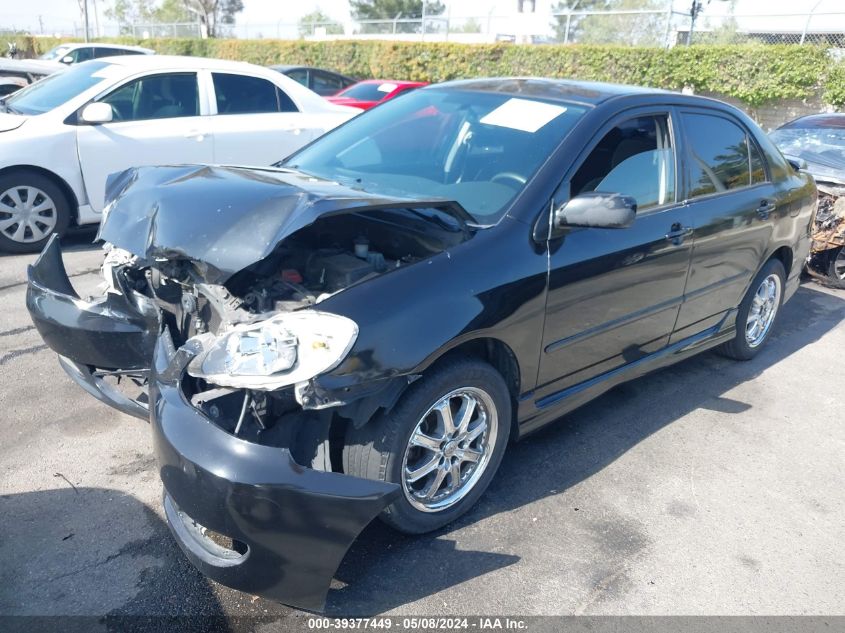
[195, 134]
[677, 234]
[765, 209]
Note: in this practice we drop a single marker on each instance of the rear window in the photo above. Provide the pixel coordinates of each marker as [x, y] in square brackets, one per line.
[368, 92]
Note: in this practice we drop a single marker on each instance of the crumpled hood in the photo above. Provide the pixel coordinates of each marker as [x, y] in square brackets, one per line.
[10, 122]
[226, 218]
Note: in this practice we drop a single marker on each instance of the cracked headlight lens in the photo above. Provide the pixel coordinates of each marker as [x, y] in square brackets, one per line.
[283, 350]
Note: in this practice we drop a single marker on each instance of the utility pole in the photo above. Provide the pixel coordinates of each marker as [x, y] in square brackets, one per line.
[695, 9]
[423, 20]
[85, 18]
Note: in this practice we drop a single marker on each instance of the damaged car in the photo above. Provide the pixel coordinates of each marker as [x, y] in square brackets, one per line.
[361, 330]
[816, 143]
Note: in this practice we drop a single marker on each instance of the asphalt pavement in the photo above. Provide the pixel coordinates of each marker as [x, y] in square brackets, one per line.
[713, 487]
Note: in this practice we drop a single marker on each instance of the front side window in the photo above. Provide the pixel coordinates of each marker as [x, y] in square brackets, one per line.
[720, 158]
[636, 158]
[240, 94]
[58, 88]
[155, 97]
[82, 54]
[477, 148]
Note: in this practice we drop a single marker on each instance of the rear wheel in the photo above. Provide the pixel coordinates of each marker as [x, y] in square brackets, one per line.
[32, 208]
[757, 313]
[441, 443]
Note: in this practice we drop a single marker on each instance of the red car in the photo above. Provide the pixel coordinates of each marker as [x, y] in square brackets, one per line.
[366, 94]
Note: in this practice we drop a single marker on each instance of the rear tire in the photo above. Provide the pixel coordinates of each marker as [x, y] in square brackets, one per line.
[32, 208]
[757, 313]
[441, 465]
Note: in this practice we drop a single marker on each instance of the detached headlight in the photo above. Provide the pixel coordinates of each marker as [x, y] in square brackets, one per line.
[283, 350]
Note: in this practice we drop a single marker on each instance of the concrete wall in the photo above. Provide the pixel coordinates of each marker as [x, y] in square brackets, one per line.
[772, 115]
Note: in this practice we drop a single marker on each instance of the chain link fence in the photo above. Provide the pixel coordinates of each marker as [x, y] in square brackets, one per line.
[647, 27]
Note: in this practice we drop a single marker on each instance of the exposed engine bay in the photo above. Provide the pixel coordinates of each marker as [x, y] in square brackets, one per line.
[271, 308]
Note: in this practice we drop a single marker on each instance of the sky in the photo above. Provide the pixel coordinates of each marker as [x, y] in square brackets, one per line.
[267, 15]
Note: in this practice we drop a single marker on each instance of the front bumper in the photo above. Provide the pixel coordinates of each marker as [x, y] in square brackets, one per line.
[290, 526]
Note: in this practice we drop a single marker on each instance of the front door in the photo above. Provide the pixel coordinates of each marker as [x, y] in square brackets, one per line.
[614, 294]
[156, 121]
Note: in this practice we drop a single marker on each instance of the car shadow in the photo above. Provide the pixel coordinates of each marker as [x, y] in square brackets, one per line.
[566, 453]
[99, 555]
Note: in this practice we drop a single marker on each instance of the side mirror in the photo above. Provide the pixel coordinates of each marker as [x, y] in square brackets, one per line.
[798, 164]
[599, 210]
[96, 113]
[67, 59]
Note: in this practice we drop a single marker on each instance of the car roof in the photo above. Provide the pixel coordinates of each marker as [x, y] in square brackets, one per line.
[123, 47]
[822, 120]
[590, 92]
[182, 62]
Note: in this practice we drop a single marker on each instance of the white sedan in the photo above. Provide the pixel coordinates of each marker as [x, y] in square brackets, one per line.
[61, 137]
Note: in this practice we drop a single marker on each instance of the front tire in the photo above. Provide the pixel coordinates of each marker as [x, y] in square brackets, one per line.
[32, 208]
[836, 269]
[757, 313]
[442, 444]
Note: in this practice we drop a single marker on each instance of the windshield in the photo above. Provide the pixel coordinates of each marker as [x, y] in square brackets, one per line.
[822, 147]
[476, 148]
[56, 53]
[368, 92]
[56, 89]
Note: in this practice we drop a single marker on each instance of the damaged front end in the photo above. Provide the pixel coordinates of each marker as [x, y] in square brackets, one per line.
[827, 255]
[215, 314]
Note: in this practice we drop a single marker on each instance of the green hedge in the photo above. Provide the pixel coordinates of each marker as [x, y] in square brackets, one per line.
[753, 74]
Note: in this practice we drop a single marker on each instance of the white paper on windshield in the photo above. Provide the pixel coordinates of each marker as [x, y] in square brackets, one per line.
[108, 72]
[523, 114]
[387, 87]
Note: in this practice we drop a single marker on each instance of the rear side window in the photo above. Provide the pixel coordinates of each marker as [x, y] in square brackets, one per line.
[325, 84]
[239, 94]
[722, 157]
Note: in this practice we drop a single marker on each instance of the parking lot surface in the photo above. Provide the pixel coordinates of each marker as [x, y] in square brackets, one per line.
[711, 487]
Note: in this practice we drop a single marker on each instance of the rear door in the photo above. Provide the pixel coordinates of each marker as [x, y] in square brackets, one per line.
[614, 294]
[733, 205]
[157, 120]
[256, 122]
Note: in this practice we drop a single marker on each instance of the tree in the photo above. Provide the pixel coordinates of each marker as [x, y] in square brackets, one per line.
[212, 13]
[128, 13]
[363, 10]
[470, 25]
[316, 18]
[635, 29]
[215, 14]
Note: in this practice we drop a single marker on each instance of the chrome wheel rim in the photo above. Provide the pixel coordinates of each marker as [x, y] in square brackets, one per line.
[839, 265]
[764, 308]
[27, 214]
[449, 449]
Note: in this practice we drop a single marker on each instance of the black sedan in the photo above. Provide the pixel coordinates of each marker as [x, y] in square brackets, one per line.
[817, 143]
[324, 82]
[363, 329]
